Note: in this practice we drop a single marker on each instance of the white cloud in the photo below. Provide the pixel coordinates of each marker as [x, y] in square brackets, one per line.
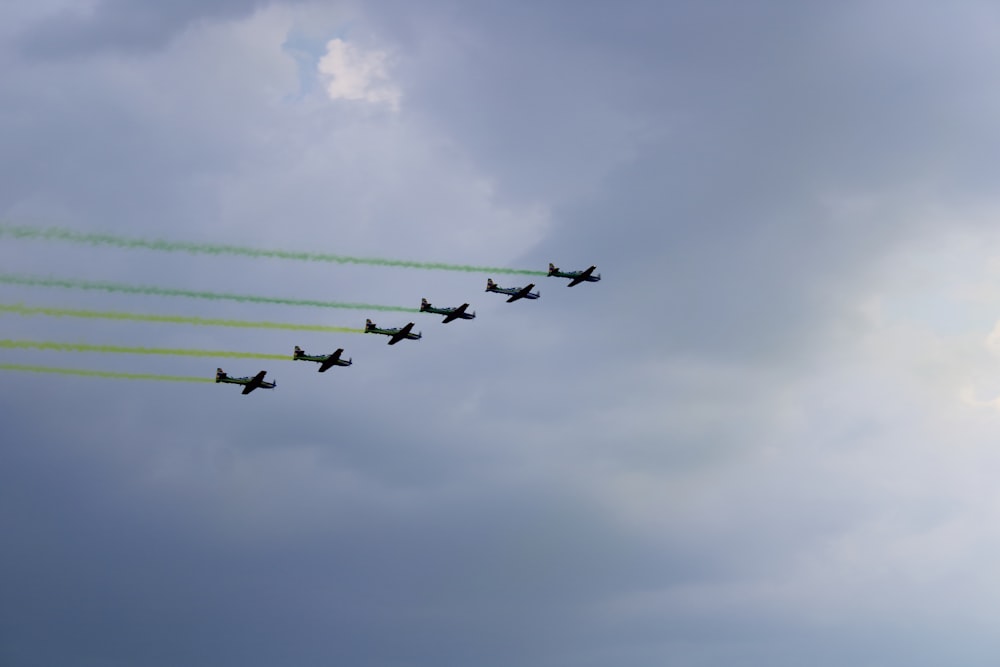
[355, 74]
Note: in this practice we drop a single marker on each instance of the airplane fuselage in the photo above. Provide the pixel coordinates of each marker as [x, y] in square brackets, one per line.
[384, 332]
[229, 380]
[311, 357]
[438, 311]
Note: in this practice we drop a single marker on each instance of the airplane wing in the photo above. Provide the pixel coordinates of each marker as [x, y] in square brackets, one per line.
[584, 275]
[455, 314]
[331, 360]
[523, 292]
[401, 334]
[255, 382]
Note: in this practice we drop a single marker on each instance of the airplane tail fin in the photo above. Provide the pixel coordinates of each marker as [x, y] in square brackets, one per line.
[298, 352]
[490, 284]
[369, 325]
[552, 268]
[220, 375]
[424, 304]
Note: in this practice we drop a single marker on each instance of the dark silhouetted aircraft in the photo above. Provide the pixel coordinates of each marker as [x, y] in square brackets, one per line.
[249, 383]
[395, 335]
[514, 293]
[576, 277]
[325, 361]
[449, 313]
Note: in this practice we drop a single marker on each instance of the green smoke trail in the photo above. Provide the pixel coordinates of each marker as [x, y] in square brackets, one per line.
[104, 374]
[97, 239]
[20, 309]
[8, 344]
[31, 281]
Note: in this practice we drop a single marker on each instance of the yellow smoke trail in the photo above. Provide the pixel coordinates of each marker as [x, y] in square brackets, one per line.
[8, 344]
[104, 374]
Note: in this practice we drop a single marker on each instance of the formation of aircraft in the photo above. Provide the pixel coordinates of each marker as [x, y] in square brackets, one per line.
[514, 293]
[249, 383]
[395, 335]
[326, 361]
[576, 277]
[449, 313]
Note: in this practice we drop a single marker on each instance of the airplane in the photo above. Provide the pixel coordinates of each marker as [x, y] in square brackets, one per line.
[250, 383]
[449, 313]
[396, 334]
[325, 360]
[514, 293]
[576, 277]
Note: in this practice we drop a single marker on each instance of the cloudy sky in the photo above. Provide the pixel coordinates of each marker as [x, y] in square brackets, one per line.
[769, 435]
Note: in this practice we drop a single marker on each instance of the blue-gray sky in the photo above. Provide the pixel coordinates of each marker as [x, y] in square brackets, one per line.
[767, 437]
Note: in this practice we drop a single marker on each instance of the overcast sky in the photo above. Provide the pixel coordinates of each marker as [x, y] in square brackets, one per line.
[768, 436]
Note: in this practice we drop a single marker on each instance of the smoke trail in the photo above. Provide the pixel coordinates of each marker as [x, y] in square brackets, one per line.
[169, 319]
[11, 279]
[118, 349]
[104, 374]
[91, 238]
